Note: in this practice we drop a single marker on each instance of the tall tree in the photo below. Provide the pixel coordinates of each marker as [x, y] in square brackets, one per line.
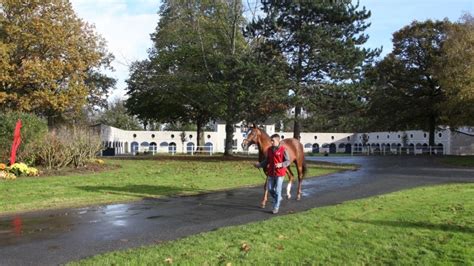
[456, 72]
[175, 83]
[321, 41]
[116, 115]
[412, 88]
[200, 68]
[50, 59]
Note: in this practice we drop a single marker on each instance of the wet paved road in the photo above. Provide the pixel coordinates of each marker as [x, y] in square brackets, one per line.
[56, 237]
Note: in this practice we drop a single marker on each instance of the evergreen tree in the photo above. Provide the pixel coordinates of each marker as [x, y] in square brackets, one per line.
[321, 42]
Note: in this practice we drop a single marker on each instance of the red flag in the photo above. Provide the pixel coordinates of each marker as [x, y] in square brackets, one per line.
[16, 141]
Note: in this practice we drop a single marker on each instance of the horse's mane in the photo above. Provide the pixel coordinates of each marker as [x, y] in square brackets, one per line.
[263, 132]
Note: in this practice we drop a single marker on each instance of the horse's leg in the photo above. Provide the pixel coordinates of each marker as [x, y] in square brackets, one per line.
[265, 193]
[291, 176]
[299, 168]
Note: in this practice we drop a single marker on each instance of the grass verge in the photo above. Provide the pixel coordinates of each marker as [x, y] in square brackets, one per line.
[132, 180]
[464, 161]
[422, 226]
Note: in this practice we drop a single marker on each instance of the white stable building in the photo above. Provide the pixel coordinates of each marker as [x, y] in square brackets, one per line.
[128, 142]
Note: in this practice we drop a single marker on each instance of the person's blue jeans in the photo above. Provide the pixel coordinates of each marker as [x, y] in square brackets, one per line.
[275, 184]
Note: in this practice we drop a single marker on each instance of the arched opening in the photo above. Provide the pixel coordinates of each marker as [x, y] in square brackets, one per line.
[332, 148]
[348, 148]
[163, 146]
[439, 149]
[376, 147]
[315, 148]
[134, 147]
[209, 147]
[190, 148]
[153, 147]
[172, 148]
[411, 148]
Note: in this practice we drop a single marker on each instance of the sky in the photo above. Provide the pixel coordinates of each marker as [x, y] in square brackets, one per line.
[126, 25]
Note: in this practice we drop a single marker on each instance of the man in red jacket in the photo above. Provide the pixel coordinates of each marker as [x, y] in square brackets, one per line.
[276, 162]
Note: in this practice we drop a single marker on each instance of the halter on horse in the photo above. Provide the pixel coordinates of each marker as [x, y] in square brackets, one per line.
[294, 149]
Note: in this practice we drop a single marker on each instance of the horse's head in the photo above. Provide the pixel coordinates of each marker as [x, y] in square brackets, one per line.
[252, 137]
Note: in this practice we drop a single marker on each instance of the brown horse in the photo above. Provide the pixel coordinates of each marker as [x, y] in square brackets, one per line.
[295, 151]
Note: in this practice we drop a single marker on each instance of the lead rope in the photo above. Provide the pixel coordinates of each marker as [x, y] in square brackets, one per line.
[262, 174]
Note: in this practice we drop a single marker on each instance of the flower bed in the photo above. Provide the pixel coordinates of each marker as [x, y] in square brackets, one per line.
[16, 170]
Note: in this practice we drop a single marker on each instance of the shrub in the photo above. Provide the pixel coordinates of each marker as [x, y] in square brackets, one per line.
[33, 128]
[50, 152]
[66, 146]
[85, 145]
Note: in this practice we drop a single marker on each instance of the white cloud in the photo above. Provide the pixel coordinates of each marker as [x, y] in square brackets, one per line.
[126, 26]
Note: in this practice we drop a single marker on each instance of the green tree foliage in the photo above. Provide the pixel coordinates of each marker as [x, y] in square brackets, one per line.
[340, 108]
[174, 83]
[456, 72]
[200, 69]
[116, 115]
[33, 128]
[50, 59]
[321, 42]
[411, 89]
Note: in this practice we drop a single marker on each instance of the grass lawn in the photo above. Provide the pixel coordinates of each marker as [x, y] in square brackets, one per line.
[133, 180]
[422, 226]
[466, 161]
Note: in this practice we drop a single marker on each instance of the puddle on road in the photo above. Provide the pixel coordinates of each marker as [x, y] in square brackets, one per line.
[23, 228]
[18, 228]
[334, 181]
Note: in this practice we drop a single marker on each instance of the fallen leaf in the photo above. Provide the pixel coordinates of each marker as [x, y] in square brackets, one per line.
[245, 247]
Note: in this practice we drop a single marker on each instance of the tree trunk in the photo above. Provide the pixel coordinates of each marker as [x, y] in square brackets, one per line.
[297, 123]
[199, 135]
[432, 128]
[229, 138]
[232, 97]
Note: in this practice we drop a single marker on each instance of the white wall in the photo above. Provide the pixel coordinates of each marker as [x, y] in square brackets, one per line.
[121, 140]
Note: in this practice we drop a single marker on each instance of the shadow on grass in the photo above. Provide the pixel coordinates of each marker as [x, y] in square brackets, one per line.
[420, 225]
[143, 191]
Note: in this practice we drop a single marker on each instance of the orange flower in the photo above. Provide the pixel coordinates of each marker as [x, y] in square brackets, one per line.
[3, 166]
